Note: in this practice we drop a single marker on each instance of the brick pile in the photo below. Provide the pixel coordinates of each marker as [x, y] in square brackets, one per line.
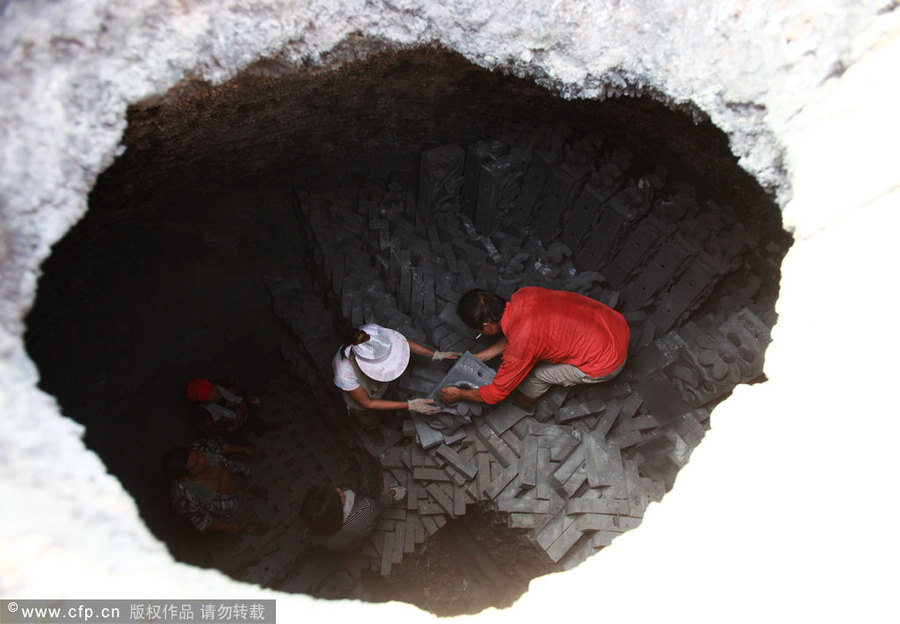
[543, 207]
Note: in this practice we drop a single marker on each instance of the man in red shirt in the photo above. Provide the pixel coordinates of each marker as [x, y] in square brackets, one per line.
[550, 337]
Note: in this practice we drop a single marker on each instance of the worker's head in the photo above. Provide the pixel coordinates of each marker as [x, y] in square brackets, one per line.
[323, 510]
[481, 310]
[381, 353]
[198, 390]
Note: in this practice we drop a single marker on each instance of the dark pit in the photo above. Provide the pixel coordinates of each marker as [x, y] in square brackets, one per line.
[245, 221]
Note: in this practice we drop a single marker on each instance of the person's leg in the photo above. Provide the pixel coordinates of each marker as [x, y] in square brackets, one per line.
[546, 374]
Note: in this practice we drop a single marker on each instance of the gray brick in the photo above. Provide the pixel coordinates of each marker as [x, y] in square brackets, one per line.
[398, 542]
[580, 410]
[521, 505]
[387, 550]
[526, 520]
[440, 496]
[459, 502]
[504, 416]
[603, 505]
[457, 461]
[567, 467]
[558, 549]
[495, 445]
[552, 530]
[483, 478]
[502, 481]
[528, 462]
[430, 474]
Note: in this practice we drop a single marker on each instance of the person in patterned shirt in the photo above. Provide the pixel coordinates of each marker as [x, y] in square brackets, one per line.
[340, 519]
[204, 487]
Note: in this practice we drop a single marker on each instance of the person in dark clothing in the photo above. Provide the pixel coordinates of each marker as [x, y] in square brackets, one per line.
[339, 519]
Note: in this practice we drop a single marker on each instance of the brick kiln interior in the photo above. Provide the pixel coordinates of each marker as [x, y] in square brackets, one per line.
[243, 220]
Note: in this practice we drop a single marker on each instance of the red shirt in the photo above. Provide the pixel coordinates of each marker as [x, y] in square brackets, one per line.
[560, 327]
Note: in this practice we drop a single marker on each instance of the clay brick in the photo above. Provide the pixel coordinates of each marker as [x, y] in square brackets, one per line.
[495, 445]
[504, 417]
[528, 462]
[412, 495]
[457, 461]
[459, 502]
[387, 550]
[503, 480]
[413, 527]
[521, 505]
[513, 442]
[483, 461]
[574, 482]
[440, 497]
[526, 520]
[597, 460]
[430, 474]
[580, 410]
[552, 530]
[564, 543]
[544, 470]
[565, 470]
[584, 505]
[428, 508]
[429, 524]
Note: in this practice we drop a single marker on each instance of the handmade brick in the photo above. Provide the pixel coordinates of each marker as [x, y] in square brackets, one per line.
[521, 505]
[603, 505]
[580, 410]
[459, 502]
[440, 497]
[567, 467]
[457, 461]
[597, 460]
[495, 445]
[504, 416]
[502, 481]
[387, 551]
[428, 508]
[528, 462]
[398, 542]
[564, 543]
[526, 520]
[483, 461]
[430, 474]
[552, 530]
[429, 524]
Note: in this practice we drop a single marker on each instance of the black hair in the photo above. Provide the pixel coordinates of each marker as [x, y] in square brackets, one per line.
[480, 306]
[174, 462]
[322, 510]
[352, 336]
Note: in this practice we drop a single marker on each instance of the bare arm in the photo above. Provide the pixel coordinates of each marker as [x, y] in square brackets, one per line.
[452, 394]
[415, 347]
[365, 401]
[492, 351]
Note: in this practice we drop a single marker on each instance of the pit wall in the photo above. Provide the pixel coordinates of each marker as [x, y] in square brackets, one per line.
[798, 525]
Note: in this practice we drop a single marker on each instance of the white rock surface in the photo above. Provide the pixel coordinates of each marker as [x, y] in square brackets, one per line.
[806, 92]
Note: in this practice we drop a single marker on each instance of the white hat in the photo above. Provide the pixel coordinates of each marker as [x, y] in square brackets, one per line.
[384, 356]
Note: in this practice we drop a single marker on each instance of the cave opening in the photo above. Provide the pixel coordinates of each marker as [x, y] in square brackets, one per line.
[243, 221]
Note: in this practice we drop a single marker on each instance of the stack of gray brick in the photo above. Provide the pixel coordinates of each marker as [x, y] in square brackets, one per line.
[546, 207]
